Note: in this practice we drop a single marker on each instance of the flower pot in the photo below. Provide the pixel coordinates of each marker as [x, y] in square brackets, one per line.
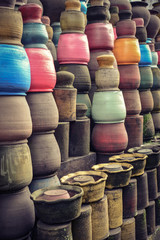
[156, 99]
[132, 101]
[146, 101]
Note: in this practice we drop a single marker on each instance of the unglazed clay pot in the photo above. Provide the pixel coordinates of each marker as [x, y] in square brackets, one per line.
[15, 119]
[99, 13]
[57, 31]
[156, 99]
[139, 10]
[148, 127]
[126, 28]
[121, 4]
[31, 13]
[146, 77]
[8, 3]
[132, 101]
[97, 32]
[156, 78]
[146, 101]
[153, 25]
[108, 138]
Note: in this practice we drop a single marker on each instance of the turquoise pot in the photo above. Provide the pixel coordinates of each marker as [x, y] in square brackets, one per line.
[108, 107]
[34, 35]
[154, 59]
[146, 57]
[56, 32]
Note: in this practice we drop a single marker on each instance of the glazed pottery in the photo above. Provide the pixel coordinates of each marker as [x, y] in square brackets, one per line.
[129, 76]
[147, 102]
[109, 138]
[126, 28]
[146, 77]
[132, 101]
[73, 48]
[21, 211]
[57, 31]
[43, 75]
[154, 59]
[45, 154]
[151, 218]
[31, 13]
[19, 126]
[148, 127]
[92, 183]
[15, 73]
[137, 160]
[108, 107]
[55, 211]
[126, 51]
[97, 32]
[11, 28]
[139, 10]
[118, 174]
[146, 57]
[12, 177]
[44, 112]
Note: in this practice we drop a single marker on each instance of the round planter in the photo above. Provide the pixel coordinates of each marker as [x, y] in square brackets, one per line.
[139, 10]
[15, 74]
[146, 101]
[31, 13]
[73, 48]
[19, 126]
[146, 77]
[146, 57]
[109, 138]
[126, 28]
[132, 101]
[43, 75]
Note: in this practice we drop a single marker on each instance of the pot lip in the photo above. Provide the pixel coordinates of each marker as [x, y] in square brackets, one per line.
[137, 157]
[103, 178]
[138, 3]
[79, 193]
[98, 166]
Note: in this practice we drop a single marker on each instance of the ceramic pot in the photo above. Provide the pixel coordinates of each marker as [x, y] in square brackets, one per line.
[15, 73]
[38, 2]
[64, 80]
[121, 4]
[12, 29]
[129, 76]
[146, 57]
[95, 13]
[21, 211]
[31, 13]
[132, 101]
[57, 31]
[84, 98]
[12, 177]
[44, 112]
[151, 218]
[146, 101]
[156, 120]
[19, 126]
[125, 15]
[156, 100]
[51, 47]
[108, 107]
[45, 154]
[153, 25]
[148, 127]
[141, 34]
[154, 59]
[139, 10]
[73, 48]
[114, 10]
[158, 52]
[109, 138]
[115, 234]
[126, 28]
[146, 77]
[43, 75]
[96, 32]
[8, 3]
[128, 230]
[142, 192]
[126, 51]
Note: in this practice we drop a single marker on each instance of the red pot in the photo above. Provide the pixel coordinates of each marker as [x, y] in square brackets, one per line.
[100, 36]
[132, 101]
[129, 76]
[109, 138]
[43, 75]
[126, 27]
[146, 101]
[73, 48]
[31, 13]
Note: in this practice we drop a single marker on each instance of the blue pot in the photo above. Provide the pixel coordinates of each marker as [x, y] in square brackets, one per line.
[56, 32]
[154, 59]
[83, 7]
[146, 57]
[15, 77]
[34, 35]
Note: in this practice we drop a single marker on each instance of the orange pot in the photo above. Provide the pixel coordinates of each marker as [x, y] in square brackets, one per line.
[126, 51]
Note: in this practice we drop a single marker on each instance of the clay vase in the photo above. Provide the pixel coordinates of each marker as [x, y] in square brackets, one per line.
[73, 48]
[19, 126]
[129, 76]
[146, 101]
[109, 138]
[126, 28]
[146, 57]
[21, 211]
[57, 31]
[44, 112]
[31, 13]
[126, 51]
[14, 178]
[11, 26]
[153, 25]
[146, 77]
[45, 154]
[97, 32]
[139, 10]
[43, 75]
[15, 73]
[132, 101]
[8, 3]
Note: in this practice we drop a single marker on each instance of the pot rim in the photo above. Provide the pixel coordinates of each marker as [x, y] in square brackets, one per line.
[137, 157]
[98, 166]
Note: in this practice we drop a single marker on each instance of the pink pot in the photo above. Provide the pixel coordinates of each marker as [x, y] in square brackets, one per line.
[31, 13]
[100, 36]
[43, 75]
[73, 48]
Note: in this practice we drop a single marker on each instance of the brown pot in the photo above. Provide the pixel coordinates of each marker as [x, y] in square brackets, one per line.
[139, 10]
[156, 120]
[156, 99]
[15, 119]
[126, 28]
[146, 101]
[132, 101]
[44, 111]
[51, 47]
[148, 127]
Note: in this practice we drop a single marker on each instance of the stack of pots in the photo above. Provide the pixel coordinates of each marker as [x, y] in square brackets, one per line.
[43, 145]
[109, 135]
[73, 51]
[127, 53]
[141, 15]
[100, 36]
[16, 206]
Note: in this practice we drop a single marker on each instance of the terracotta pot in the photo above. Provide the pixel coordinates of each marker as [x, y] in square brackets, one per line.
[129, 76]
[156, 100]
[146, 57]
[153, 25]
[139, 10]
[95, 13]
[148, 127]
[126, 28]
[11, 156]
[45, 154]
[43, 75]
[15, 74]
[19, 126]
[108, 138]
[51, 47]
[132, 101]
[73, 48]
[106, 110]
[156, 120]
[146, 101]
[146, 77]
[21, 211]
[44, 112]
[96, 32]
[57, 31]
[8, 3]
[11, 26]
[31, 13]
[126, 51]
[121, 4]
